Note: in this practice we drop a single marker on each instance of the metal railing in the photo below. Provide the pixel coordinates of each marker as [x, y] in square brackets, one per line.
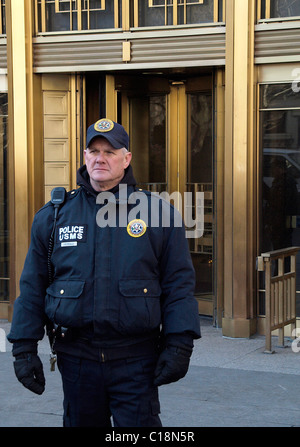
[280, 292]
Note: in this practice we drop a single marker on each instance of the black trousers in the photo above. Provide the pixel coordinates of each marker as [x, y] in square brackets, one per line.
[119, 390]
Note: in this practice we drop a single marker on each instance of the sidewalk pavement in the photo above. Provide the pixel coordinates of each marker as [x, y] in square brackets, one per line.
[230, 383]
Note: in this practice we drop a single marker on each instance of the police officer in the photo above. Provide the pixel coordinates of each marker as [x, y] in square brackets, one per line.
[120, 297]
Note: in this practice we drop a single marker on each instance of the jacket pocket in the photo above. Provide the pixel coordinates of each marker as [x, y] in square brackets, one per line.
[139, 305]
[64, 302]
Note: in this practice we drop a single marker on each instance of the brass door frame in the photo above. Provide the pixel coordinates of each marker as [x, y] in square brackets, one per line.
[177, 137]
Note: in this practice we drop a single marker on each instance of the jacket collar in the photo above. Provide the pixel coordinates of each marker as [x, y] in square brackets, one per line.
[83, 180]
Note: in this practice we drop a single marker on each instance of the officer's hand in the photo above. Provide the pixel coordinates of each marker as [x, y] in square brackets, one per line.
[172, 365]
[29, 371]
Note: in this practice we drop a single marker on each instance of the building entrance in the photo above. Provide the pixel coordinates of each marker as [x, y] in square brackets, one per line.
[170, 123]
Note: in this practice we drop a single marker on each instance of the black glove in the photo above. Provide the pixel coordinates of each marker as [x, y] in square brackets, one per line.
[173, 363]
[29, 368]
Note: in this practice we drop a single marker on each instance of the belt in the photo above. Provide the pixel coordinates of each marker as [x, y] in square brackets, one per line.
[113, 353]
[146, 348]
[75, 343]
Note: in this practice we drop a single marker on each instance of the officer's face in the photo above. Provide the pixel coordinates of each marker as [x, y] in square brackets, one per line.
[105, 164]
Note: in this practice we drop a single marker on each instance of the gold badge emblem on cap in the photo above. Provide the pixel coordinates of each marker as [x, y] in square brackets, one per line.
[136, 228]
[104, 125]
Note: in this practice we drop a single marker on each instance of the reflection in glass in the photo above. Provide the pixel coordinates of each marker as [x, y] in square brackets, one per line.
[66, 15]
[157, 140]
[95, 18]
[56, 21]
[284, 8]
[200, 137]
[161, 12]
[280, 172]
[274, 96]
[195, 12]
[156, 15]
[200, 179]
[148, 141]
[4, 247]
[280, 179]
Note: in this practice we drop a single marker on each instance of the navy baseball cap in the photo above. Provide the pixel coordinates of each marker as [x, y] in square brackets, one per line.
[113, 132]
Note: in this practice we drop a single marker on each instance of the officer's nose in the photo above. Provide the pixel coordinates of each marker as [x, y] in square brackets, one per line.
[100, 157]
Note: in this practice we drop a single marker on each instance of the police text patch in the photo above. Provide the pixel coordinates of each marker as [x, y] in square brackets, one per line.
[69, 235]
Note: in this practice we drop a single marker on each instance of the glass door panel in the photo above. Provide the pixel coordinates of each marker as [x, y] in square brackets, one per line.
[200, 179]
[171, 139]
[148, 141]
[279, 175]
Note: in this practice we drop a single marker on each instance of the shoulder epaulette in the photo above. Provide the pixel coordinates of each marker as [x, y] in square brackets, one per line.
[73, 193]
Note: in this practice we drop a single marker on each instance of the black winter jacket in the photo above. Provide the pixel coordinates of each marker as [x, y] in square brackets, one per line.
[109, 284]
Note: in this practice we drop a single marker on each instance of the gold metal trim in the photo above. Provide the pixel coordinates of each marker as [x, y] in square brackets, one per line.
[79, 16]
[177, 111]
[73, 130]
[22, 194]
[43, 15]
[258, 10]
[116, 13]
[126, 51]
[175, 12]
[216, 11]
[136, 13]
[125, 14]
[268, 9]
[111, 98]
[239, 223]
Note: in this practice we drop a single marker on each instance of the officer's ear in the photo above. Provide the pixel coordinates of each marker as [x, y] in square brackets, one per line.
[128, 157]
